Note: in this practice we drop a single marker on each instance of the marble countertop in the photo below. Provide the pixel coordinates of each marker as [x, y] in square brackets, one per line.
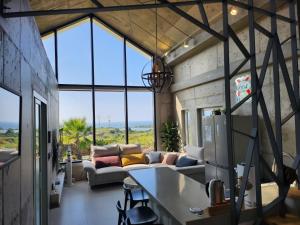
[176, 193]
[173, 191]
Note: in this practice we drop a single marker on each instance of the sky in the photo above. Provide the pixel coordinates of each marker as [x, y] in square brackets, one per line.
[74, 67]
[10, 105]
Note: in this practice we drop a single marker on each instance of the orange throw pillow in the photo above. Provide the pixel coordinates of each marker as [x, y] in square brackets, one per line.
[131, 159]
[170, 158]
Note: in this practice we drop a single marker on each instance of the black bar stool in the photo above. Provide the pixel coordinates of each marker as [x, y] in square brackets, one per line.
[134, 196]
[141, 215]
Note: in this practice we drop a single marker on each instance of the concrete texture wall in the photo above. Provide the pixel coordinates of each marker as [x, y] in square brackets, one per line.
[164, 112]
[199, 83]
[24, 67]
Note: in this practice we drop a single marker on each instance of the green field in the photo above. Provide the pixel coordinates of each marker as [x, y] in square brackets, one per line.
[9, 140]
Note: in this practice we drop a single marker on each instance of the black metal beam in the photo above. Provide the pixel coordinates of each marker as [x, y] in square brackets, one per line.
[268, 170]
[238, 42]
[286, 77]
[295, 68]
[238, 68]
[202, 12]
[117, 8]
[230, 154]
[88, 87]
[128, 39]
[265, 63]
[97, 3]
[56, 54]
[270, 132]
[263, 30]
[174, 8]
[254, 109]
[248, 163]
[277, 99]
[125, 93]
[93, 81]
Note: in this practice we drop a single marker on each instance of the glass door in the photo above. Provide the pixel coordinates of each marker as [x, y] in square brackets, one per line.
[37, 169]
[40, 162]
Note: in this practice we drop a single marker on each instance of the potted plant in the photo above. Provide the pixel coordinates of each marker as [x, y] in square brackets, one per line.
[171, 140]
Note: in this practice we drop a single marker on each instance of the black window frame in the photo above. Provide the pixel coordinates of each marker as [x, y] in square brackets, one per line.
[98, 88]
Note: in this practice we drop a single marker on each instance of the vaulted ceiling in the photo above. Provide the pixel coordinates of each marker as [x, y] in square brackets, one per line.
[139, 25]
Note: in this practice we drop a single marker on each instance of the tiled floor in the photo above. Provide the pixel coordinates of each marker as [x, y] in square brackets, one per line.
[82, 206]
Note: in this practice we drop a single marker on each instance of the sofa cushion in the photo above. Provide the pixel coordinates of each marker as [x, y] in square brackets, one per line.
[130, 149]
[136, 167]
[195, 152]
[106, 150]
[170, 158]
[154, 157]
[133, 159]
[185, 161]
[109, 170]
[106, 161]
[156, 165]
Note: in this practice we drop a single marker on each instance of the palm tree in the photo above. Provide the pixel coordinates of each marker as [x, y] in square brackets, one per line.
[76, 131]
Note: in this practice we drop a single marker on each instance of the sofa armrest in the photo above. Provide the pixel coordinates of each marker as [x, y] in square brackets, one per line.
[89, 167]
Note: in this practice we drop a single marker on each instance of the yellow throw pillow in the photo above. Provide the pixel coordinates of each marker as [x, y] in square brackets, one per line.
[133, 159]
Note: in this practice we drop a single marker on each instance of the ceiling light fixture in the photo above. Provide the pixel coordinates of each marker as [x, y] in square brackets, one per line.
[186, 44]
[160, 77]
[233, 11]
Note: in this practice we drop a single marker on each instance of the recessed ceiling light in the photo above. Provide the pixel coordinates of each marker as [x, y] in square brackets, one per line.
[185, 44]
[233, 11]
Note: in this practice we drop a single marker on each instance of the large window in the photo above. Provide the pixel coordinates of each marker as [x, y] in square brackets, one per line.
[49, 45]
[74, 54]
[108, 110]
[109, 57]
[76, 119]
[187, 127]
[140, 116]
[136, 61]
[110, 118]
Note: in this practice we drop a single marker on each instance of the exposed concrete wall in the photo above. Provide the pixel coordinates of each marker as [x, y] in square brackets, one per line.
[24, 67]
[199, 83]
[164, 112]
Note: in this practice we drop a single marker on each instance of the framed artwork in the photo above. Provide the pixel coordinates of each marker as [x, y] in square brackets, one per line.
[243, 87]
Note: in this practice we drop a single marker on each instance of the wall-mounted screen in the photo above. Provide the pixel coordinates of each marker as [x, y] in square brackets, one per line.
[10, 108]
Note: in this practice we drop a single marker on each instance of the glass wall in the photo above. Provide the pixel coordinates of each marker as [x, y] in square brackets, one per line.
[49, 45]
[186, 116]
[140, 119]
[76, 120]
[110, 118]
[74, 54]
[108, 56]
[96, 104]
[136, 62]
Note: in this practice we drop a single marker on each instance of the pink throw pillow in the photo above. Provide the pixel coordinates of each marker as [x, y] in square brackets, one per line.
[107, 161]
[170, 159]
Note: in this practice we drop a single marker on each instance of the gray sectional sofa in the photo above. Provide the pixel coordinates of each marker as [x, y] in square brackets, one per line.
[114, 174]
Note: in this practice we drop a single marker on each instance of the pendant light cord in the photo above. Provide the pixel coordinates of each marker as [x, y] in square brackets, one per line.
[156, 30]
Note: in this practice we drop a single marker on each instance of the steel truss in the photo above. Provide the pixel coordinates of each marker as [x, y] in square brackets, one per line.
[274, 48]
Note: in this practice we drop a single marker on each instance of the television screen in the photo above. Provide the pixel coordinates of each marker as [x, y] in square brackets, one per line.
[10, 104]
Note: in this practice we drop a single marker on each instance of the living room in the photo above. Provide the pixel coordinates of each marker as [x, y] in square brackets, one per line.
[149, 112]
